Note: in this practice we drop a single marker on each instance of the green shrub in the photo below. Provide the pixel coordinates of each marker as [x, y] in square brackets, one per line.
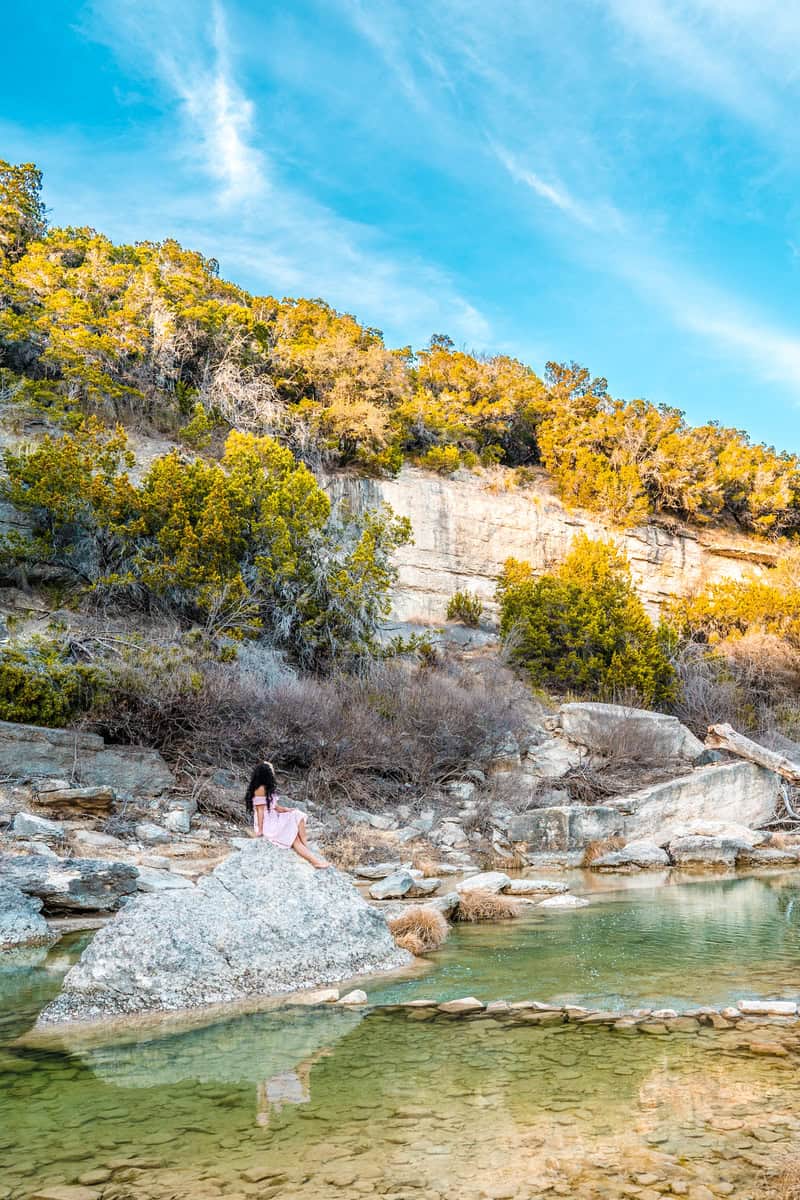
[465, 607]
[444, 459]
[38, 686]
[583, 628]
[241, 546]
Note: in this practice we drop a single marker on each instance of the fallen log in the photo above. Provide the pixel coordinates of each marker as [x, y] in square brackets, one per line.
[725, 737]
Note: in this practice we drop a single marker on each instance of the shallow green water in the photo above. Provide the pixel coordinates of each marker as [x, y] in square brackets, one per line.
[704, 942]
[316, 1104]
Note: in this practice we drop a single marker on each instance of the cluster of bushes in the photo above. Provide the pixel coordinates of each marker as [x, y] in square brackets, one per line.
[729, 653]
[584, 629]
[397, 729]
[150, 333]
[245, 546]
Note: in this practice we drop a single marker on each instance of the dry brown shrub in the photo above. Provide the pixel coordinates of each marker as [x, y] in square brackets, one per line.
[428, 866]
[784, 1183]
[421, 925]
[766, 664]
[600, 847]
[484, 906]
[367, 740]
[489, 860]
[412, 943]
[346, 850]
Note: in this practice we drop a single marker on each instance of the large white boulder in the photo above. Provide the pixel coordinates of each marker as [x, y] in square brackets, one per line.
[605, 727]
[737, 792]
[262, 923]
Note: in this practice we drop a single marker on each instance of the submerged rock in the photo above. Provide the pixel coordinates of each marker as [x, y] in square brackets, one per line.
[564, 902]
[71, 884]
[263, 922]
[527, 887]
[21, 922]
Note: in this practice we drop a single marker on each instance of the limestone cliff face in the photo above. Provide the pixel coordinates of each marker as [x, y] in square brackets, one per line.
[465, 526]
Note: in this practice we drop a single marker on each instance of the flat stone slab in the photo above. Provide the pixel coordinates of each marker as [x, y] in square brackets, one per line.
[93, 801]
[564, 902]
[736, 792]
[465, 1004]
[526, 887]
[66, 885]
[486, 881]
[775, 1008]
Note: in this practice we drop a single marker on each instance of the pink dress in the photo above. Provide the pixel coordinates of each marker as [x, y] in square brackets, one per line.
[280, 828]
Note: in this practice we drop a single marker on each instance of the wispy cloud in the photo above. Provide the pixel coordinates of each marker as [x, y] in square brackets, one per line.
[283, 240]
[600, 215]
[222, 116]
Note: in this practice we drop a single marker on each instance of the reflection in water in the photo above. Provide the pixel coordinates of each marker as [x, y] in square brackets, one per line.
[315, 1104]
[289, 1087]
[700, 943]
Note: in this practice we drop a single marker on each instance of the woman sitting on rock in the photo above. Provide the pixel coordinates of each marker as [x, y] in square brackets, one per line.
[282, 826]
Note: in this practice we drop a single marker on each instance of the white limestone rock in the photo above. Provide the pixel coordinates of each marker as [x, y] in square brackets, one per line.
[29, 825]
[21, 922]
[486, 881]
[598, 727]
[564, 902]
[643, 856]
[737, 792]
[264, 922]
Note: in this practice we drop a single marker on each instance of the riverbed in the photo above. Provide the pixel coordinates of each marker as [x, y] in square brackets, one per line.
[321, 1103]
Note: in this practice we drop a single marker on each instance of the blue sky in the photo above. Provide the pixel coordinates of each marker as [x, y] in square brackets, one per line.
[614, 181]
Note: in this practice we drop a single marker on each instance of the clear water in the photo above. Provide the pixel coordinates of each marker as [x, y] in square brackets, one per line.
[708, 942]
[317, 1104]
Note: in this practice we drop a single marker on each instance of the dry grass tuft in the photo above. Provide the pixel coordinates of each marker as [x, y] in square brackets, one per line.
[346, 850]
[602, 846]
[783, 1184]
[428, 866]
[419, 929]
[485, 906]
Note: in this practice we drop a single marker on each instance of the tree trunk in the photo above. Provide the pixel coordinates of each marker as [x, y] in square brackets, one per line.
[725, 737]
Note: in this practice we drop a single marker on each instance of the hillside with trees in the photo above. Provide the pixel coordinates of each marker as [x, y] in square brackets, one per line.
[150, 334]
[226, 547]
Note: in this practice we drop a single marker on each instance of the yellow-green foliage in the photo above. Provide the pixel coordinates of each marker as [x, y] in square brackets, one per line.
[768, 604]
[583, 627]
[465, 607]
[150, 331]
[444, 459]
[244, 544]
[38, 686]
[631, 458]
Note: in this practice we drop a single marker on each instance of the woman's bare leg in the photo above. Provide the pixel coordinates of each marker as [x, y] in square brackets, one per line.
[301, 831]
[304, 852]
